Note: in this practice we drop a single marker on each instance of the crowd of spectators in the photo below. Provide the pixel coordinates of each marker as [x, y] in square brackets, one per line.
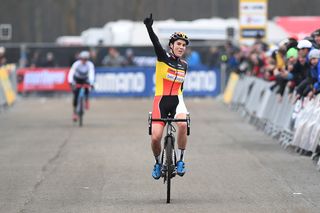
[112, 58]
[292, 64]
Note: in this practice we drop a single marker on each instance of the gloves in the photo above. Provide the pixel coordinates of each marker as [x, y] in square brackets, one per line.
[148, 21]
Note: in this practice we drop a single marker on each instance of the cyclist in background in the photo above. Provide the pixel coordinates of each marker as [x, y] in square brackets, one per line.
[169, 77]
[81, 72]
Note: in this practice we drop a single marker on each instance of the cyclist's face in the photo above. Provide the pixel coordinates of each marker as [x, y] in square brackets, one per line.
[179, 47]
[83, 60]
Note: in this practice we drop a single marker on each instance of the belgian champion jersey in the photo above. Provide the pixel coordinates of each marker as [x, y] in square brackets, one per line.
[170, 70]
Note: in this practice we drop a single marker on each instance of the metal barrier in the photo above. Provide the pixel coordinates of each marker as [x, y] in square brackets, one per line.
[294, 125]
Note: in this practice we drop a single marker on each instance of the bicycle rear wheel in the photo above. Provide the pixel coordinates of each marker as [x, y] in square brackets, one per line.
[169, 161]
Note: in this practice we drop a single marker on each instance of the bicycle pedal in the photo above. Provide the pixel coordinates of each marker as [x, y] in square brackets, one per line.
[174, 173]
[163, 170]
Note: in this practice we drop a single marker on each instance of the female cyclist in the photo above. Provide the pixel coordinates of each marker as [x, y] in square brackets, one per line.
[170, 73]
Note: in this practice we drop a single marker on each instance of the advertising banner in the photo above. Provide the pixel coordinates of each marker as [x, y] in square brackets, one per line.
[43, 79]
[8, 91]
[119, 81]
[139, 81]
[253, 18]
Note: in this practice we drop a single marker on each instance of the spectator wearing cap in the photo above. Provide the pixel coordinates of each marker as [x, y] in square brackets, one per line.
[311, 85]
[314, 57]
[279, 54]
[299, 72]
[285, 75]
[304, 46]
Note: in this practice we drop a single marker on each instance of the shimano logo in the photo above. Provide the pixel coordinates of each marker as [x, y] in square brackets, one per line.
[120, 82]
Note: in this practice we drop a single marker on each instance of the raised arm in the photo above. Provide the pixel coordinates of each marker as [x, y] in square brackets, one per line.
[160, 52]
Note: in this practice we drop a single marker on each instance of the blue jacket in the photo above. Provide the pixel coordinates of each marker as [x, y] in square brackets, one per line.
[315, 73]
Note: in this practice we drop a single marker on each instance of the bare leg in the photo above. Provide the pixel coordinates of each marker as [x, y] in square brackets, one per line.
[182, 132]
[157, 131]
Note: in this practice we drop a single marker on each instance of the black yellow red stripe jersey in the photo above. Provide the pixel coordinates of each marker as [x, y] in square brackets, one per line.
[170, 70]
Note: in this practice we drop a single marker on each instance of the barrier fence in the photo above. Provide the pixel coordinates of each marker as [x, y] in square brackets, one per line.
[295, 125]
[7, 86]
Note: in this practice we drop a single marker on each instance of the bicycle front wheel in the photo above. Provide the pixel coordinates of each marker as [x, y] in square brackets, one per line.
[81, 111]
[170, 166]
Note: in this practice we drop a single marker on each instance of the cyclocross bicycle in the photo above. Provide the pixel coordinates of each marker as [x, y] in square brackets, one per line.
[168, 154]
[80, 101]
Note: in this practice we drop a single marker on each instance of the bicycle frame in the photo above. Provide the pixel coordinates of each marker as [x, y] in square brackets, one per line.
[80, 100]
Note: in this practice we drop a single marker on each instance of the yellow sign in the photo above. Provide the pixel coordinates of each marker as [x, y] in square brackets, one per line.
[228, 93]
[253, 19]
[7, 88]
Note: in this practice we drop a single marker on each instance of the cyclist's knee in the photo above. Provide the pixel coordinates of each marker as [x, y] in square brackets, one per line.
[156, 138]
[182, 126]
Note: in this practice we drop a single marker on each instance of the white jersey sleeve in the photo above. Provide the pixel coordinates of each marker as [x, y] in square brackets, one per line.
[72, 71]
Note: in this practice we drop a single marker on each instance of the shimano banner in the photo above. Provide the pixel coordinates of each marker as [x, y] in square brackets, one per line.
[139, 81]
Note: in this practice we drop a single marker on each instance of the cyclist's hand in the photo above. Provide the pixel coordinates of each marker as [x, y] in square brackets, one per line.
[148, 21]
[71, 86]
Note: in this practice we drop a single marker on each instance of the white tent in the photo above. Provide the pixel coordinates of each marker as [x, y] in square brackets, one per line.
[129, 33]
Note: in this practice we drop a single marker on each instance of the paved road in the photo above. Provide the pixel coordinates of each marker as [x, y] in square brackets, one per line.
[49, 165]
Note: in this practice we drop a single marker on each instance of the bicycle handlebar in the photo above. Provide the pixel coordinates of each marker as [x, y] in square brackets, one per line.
[87, 86]
[187, 120]
[170, 119]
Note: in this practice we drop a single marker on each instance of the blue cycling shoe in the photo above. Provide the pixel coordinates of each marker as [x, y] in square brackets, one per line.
[180, 168]
[156, 173]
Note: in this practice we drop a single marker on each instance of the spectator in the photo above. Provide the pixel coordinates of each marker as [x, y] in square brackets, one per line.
[74, 58]
[259, 43]
[283, 76]
[129, 58]
[35, 59]
[94, 57]
[305, 87]
[256, 64]
[234, 60]
[279, 55]
[316, 37]
[270, 64]
[212, 59]
[49, 60]
[113, 59]
[304, 47]
[299, 72]
[193, 58]
[3, 59]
